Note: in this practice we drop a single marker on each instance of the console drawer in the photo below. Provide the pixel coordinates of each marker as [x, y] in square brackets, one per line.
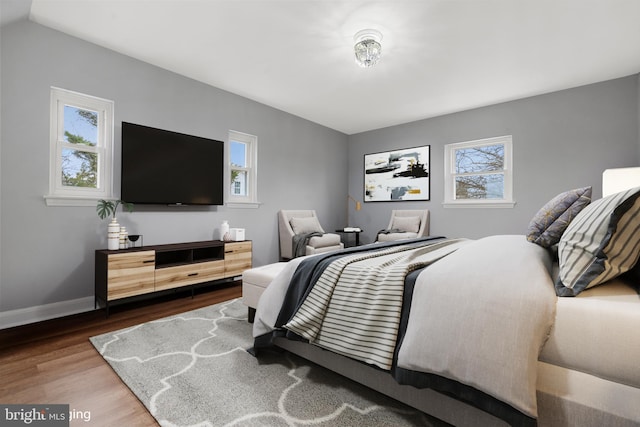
[129, 274]
[237, 258]
[188, 274]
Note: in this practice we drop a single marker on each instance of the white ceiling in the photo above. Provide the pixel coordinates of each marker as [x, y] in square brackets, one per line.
[439, 56]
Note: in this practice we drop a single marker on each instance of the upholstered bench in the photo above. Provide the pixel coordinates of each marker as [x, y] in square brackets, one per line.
[255, 281]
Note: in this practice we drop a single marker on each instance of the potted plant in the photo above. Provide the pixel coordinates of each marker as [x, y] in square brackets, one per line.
[109, 207]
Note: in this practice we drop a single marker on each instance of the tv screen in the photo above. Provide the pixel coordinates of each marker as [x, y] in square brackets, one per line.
[169, 168]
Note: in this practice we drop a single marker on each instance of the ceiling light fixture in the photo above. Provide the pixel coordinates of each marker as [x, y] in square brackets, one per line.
[367, 48]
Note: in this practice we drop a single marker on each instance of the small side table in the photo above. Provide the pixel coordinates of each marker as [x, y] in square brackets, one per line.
[347, 232]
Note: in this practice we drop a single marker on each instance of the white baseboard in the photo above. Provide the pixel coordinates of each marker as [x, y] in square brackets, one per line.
[23, 316]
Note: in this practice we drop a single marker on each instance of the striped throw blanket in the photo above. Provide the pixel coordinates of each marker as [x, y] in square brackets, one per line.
[354, 308]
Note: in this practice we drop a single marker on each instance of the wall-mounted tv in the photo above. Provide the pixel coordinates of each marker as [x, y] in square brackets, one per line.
[161, 167]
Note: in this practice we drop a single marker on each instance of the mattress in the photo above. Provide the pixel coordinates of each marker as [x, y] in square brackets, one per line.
[596, 332]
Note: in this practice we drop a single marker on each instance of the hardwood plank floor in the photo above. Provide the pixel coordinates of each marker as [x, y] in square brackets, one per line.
[53, 361]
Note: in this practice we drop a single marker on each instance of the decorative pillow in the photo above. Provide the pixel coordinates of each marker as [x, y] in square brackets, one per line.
[306, 225]
[406, 223]
[547, 226]
[602, 242]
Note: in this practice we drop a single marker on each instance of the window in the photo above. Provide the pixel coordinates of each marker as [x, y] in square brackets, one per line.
[81, 149]
[479, 173]
[243, 179]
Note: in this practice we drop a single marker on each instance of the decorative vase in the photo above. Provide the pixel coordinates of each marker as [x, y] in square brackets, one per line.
[124, 236]
[113, 235]
[224, 230]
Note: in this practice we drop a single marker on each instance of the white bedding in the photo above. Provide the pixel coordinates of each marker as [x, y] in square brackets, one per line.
[481, 315]
[590, 356]
[494, 348]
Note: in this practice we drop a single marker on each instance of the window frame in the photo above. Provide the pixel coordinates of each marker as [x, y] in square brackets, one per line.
[60, 195]
[450, 200]
[251, 199]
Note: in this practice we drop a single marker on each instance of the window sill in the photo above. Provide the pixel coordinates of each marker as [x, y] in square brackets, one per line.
[478, 204]
[243, 205]
[70, 201]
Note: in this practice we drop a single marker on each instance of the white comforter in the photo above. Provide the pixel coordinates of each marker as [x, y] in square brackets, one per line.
[479, 316]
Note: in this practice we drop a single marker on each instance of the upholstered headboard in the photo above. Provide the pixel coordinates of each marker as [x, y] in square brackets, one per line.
[619, 179]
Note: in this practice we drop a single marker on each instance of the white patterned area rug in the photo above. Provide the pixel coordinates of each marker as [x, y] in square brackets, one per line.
[193, 370]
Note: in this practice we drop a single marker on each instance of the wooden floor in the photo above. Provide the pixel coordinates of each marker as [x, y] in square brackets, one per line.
[53, 362]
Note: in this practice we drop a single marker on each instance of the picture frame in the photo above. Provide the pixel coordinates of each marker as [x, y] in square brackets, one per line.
[398, 175]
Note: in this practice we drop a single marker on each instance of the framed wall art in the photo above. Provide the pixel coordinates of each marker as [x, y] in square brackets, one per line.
[397, 175]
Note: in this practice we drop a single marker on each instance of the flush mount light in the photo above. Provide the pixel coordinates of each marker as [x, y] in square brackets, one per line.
[367, 47]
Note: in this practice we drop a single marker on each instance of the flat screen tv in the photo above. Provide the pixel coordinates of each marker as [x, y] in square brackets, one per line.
[161, 167]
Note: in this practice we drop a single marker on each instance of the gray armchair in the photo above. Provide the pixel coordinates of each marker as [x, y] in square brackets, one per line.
[406, 224]
[302, 227]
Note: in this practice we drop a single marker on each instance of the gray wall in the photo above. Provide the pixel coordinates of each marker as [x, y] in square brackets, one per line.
[47, 252]
[561, 140]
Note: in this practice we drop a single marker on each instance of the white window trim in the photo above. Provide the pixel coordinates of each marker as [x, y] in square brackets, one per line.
[65, 196]
[450, 200]
[251, 200]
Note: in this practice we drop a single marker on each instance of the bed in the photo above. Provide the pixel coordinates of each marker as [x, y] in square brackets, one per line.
[535, 329]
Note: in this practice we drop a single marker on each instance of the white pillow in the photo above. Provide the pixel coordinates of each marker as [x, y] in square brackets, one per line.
[406, 223]
[305, 225]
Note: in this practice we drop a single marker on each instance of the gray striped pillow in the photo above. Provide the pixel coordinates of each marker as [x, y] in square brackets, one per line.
[602, 242]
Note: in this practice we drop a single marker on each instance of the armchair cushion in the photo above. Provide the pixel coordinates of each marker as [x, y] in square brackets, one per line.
[389, 237]
[328, 239]
[306, 225]
[406, 223]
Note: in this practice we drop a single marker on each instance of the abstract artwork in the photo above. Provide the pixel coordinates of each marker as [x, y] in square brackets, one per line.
[397, 175]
